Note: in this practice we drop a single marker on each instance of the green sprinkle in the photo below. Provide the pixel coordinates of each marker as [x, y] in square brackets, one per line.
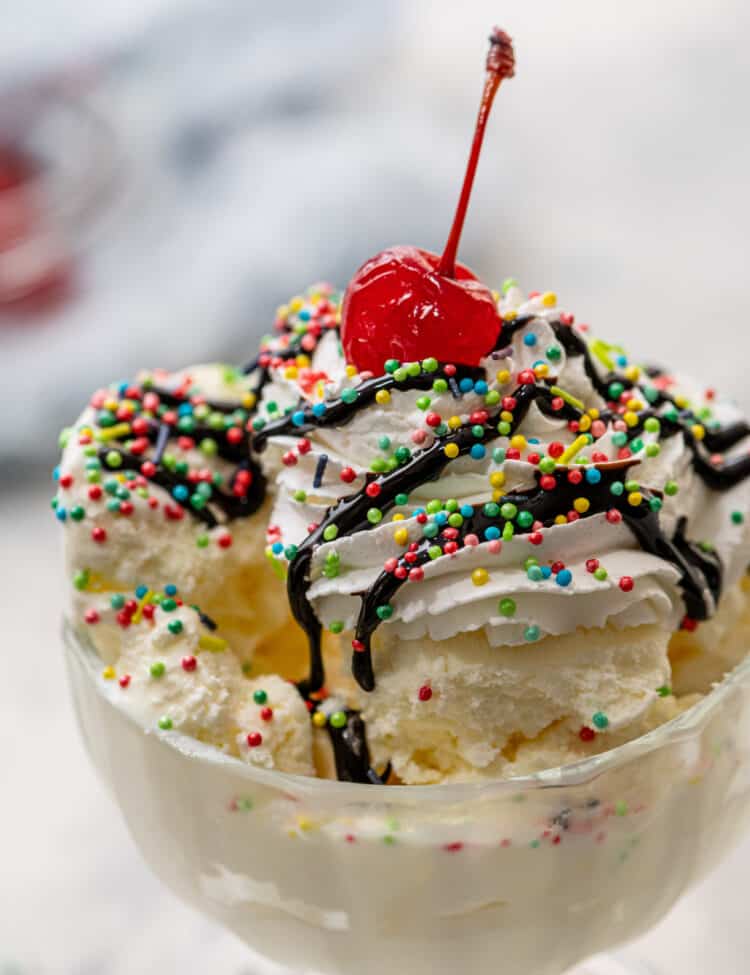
[81, 579]
[165, 723]
[737, 517]
[600, 720]
[168, 604]
[653, 450]
[175, 626]
[503, 428]
[508, 510]
[157, 669]
[349, 395]
[402, 454]
[336, 626]
[615, 390]
[498, 455]
[77, 513]
[507, 607]
[621, 808]
[655, 504]
[631, 486]
[664, 691]
[671, 488]
[330, 532]
[202, 541]
[400, 375]
[492, 397]
[531, 633]
[554, 352]
[434, 506]
[434, 551]
[617, 488]
[384, 443]
[117, 601]
[113, 458]
[413, 368]
[300, 495]
[338, 719]
[600, 574]
[384, 612]
[374, 515]
[401, 499]
[525, 519]
[440, 386]
[423, 403]
[430, 364]
[260, 697]
[652, 425]
[508, 283]
[290, 552]
[378, 466]
[391, 365]
[209, 447]
[547, 465]
[491, 509]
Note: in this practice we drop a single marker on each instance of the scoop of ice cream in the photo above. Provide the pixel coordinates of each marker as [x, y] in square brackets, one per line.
[174, 672]
[455, 708]
[156, 483]
[560, 496]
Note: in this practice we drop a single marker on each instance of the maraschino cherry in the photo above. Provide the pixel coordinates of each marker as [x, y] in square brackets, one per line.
[409, 304]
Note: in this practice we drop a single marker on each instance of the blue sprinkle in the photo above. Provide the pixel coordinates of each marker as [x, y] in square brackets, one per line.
[492, 533]
[466, 510]
[564, 577]
[418, 511]
[546, 572]
[319, 409]
[170, 589]
[532, 440]
[277, 548]
[441, 517]
[529, 339]
[185, 409]
[481, 387]
[478, 451]
[593, 475]
[56, 474]
[320, 469]
[122, 388]
[180, 493]
[141, 591]
[61, 514]
[304, 315]
[162, 438]
[466, 385]
[298, 418]
[621, 360]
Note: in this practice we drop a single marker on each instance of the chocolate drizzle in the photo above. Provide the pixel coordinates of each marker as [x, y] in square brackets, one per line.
[699, 567]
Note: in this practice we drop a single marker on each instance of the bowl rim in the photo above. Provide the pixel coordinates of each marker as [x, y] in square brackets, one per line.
[684, 727]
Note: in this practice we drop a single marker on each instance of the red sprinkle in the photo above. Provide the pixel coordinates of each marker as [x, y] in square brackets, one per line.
[189, 663]
[614, 517]
[536, 538]
[99, 534]
[373, 489]
[66, 480]
[347, 475]
[592, 565]
[266, 714]
[689, 624]
[124, 681]
[91, 616]
[626, 583]
[95, 492]
[358, 646]
[586, 734]
[224, 541]
[425, 692]
[254, 739]
[575, 476]
[547, 482]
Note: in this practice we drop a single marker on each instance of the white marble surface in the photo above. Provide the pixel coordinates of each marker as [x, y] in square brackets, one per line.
[75, 898]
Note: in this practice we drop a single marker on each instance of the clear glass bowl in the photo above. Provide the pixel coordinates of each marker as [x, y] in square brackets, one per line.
[527, 876]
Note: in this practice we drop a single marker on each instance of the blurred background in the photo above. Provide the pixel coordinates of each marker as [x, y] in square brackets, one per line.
[172, 170]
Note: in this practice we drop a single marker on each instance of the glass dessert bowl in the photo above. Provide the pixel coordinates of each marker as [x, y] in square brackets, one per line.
[536, 873]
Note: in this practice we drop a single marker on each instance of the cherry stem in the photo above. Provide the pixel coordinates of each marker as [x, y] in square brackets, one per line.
[500, 65]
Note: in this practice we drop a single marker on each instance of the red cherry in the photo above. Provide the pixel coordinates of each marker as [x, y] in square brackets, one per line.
[409, 304]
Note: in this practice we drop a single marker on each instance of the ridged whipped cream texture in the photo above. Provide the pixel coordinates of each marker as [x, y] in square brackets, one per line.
[488, 582]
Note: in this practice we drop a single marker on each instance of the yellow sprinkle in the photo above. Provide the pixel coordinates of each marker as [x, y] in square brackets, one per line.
[117, 432]
[681, 402]
[634, 404]
[561, 520]
[146, 598]
[290, 372]
[454, 422]
[111, 405]
[632, 373]
[518, 442]
[600, 348]
[630, 418]
[338, 317]
[480, 577]
[567, 397]
[100, 583]
[495, 296]
[398, 516]
[296, 303]
[541, 370]
[351, 371]
[249, 400]
[584, 423]
[108, 673]
[506, 416]
[86, 431]
[305, 824]
[510, 315]
[594, 413]
[282, 311]
[581, 505]
[451, 450]
[319, 719]
[382, 396]
[401, 536]
[503, 377]
[497, 479]
[549, 299]
[635, 498]
[497, 495]
[214, 644]
[121, 478]
[699, 431]
[569, 453]
[302, 360]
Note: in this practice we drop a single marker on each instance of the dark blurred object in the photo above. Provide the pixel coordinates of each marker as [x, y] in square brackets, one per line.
[57, 171]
